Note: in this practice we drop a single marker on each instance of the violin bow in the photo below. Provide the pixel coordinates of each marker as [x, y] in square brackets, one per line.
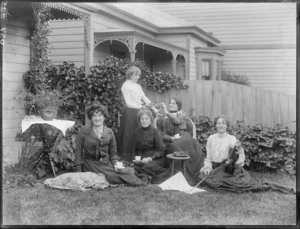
[199, 183]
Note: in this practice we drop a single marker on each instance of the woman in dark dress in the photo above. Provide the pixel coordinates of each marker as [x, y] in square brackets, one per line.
[135, 99]
[176, 139]
[96, 150]
[148, 144]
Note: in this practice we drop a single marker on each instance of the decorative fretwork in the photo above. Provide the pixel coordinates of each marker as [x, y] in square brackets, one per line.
[84, 17]
[155, 44]
[132, 41]
[125, 40]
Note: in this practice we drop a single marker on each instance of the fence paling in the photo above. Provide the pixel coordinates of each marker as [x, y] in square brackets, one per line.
[253, 105]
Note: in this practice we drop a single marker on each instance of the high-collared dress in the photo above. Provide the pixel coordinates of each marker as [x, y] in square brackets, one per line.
[134, 96]
[98, 155]
[148, 142]
[172, 124]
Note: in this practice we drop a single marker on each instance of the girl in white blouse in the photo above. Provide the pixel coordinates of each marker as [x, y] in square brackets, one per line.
[216, 164]
[218, 145]
[135, 99]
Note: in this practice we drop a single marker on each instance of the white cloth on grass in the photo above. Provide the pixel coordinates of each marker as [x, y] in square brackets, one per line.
[179, 183]
[82, 181]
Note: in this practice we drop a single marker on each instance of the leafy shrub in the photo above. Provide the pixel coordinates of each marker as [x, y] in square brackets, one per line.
[103, 84]
[273, 148]
[233, 77]
[204, 128]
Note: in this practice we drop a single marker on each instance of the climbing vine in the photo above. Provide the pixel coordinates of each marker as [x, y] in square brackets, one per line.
[41, 16]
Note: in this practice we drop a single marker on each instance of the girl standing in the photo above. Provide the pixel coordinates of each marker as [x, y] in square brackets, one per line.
[135, 99]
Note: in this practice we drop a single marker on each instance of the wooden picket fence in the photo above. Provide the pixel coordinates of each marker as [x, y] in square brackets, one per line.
[238, 102]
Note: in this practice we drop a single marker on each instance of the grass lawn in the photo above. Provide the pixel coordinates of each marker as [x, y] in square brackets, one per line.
[149, 205]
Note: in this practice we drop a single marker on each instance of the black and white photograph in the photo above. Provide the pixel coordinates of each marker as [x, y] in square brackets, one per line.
[149, 113]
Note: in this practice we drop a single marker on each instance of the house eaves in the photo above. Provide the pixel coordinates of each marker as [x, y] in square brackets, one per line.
[217, 50]
[153, 40]
[128, 18]
[194, 30]
[148, 27]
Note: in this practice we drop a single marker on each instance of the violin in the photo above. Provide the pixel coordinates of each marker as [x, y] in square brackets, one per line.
[233, 156]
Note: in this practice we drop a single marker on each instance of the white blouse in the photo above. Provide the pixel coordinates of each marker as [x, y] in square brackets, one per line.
[133, 94]
[217, 149]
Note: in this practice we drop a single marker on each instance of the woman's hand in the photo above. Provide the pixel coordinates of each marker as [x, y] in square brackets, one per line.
[176, 136]
[146, 160]
[164, 107]
[206, 170]
[116, 166]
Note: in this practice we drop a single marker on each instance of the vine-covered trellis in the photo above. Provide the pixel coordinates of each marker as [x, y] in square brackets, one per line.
[4, 14]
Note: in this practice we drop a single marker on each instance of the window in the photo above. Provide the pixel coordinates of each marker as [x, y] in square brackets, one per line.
[206, 69]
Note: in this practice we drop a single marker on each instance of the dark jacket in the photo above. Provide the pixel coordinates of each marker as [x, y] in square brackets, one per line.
[89, 146]
[148, 142]
[172, 124]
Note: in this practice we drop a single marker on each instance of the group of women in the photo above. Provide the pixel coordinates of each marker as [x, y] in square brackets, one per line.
[140, 134]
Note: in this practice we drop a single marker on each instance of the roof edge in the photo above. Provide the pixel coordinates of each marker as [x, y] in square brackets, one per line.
[195, 30]
[131, 32]
[217, 50]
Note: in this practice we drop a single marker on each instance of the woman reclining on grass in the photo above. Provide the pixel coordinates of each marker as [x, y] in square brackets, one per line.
[223, 171]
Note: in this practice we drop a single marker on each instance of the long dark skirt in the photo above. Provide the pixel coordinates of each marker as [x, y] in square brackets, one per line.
[156, 169]
[240, 181]
[187, 144]
[129, 122]
[124, 176]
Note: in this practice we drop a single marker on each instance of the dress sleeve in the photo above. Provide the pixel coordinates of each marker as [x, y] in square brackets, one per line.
[208, 159]
[79, 151]
[177, 120]
[126, 95]
[159, 147]
[164, 127]
[113, 148]
[135, 150]
[144, 97]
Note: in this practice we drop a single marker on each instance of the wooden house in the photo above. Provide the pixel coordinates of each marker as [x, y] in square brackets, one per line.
[259, 38]
[189, 45]
[16, 33]
[166, 43]
[86, 33]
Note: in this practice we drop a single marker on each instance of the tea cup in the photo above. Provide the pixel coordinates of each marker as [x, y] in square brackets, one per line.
[119, 164]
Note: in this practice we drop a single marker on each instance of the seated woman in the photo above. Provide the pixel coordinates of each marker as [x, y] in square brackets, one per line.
[148, 144]
[173, 127]
[218, 145]
[96, 150]
[218, 162]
